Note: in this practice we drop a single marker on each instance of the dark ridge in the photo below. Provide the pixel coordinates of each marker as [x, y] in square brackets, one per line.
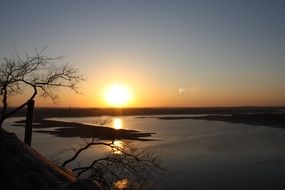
[24, 168]
[276, 120]
[89, 112]
[269, 120]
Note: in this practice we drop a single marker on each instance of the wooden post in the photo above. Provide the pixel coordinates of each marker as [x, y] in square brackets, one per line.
[29, 122]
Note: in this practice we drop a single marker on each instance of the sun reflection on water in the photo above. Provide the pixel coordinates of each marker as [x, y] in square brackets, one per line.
[121, 184]
[118, 146]
[117, 123]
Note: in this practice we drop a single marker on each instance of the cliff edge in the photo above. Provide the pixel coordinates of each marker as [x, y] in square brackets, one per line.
[22, 167]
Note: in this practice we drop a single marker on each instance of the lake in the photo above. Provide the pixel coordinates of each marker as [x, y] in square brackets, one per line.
[198, 154]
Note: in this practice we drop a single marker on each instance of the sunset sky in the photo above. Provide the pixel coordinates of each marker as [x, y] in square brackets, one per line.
[166, 53]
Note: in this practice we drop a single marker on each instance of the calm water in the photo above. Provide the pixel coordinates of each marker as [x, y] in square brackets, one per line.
[198, 154]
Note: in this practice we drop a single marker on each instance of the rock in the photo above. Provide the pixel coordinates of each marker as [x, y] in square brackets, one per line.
[22, 167]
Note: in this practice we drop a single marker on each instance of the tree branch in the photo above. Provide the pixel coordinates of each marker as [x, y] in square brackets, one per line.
[38, 72]
[77, 153]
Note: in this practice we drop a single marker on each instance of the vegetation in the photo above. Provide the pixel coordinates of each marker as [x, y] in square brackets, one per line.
[40, 74]
[123, 166]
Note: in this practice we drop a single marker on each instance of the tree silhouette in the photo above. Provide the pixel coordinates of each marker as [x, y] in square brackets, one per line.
[39, 73]
[126, 165]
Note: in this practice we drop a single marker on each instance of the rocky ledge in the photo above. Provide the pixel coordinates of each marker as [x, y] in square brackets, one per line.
[24, 168]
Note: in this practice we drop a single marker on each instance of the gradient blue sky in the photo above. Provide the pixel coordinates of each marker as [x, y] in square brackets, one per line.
[169, 53]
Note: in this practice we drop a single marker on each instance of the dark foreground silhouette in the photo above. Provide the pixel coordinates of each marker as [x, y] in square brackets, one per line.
[24, 168]
[73, 129]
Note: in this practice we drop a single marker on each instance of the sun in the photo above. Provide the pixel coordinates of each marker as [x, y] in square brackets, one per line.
[117, 95]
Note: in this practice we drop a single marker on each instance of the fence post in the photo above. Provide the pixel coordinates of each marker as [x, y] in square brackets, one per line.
[29, 122]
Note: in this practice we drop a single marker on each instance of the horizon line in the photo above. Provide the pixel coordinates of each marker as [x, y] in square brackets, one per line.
[155, 107]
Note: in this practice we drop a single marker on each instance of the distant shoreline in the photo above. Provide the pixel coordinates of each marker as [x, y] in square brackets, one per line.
[276, 120]
[261, 116]
[92, 112]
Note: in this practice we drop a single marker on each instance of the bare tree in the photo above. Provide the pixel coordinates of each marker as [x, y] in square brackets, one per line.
[123, 166]
[41, 74]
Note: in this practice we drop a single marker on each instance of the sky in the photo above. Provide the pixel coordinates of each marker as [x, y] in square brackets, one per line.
[187, 53]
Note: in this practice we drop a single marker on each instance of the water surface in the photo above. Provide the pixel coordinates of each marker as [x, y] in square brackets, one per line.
[198, 154]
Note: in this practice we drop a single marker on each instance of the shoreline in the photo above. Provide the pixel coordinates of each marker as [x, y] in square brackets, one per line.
[75, 129]
[276, 120]
[82, 130]
[92, 112]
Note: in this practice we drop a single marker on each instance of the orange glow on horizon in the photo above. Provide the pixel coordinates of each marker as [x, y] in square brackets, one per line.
[136, 92]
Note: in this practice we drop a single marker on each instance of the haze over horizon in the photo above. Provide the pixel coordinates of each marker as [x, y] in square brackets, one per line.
[196, 53]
